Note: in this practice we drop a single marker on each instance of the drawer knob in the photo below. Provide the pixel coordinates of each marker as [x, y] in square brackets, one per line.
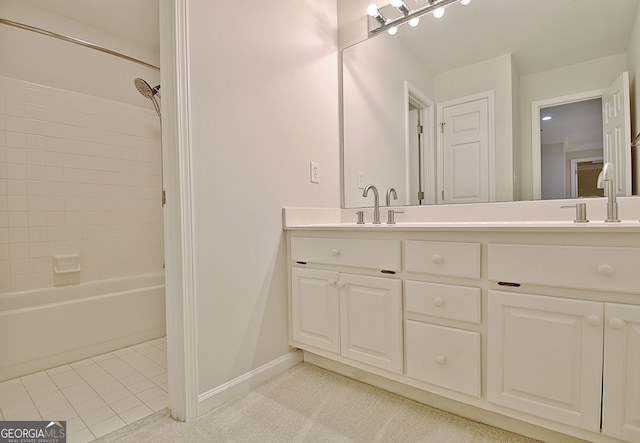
[437, 259]
[332, 282]
[605, 270]
[616, 323]
[335, 252]
[440, 360]
[593, 320]
[341, 284]
[438, 302]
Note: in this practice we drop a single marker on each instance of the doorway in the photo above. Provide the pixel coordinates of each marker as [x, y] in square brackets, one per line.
[615, 126]
[570, 148]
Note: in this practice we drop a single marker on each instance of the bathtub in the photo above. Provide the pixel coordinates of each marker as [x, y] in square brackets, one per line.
[49, 327]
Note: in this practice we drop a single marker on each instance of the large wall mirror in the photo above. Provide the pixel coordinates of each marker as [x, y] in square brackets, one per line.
[451, 111]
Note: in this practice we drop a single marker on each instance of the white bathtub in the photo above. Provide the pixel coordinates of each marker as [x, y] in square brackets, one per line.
[49, 327]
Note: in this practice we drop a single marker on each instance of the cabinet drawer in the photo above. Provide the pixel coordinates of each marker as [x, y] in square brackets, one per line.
[443, 258]
[444, 301]
[582, 267]
[444, 356]
[376, 254]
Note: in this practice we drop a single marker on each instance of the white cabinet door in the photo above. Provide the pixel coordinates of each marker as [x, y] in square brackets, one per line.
[315, 306]
[371, 321]
[544, 357]
[621, 393]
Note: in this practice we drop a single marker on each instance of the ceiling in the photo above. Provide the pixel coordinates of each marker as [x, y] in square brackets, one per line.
[132, 20]
[540, 34]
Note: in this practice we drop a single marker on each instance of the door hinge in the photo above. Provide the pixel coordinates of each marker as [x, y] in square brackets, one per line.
[420, 129]
[442, 127]
[420, 195]
[443, 195]
[164, 197]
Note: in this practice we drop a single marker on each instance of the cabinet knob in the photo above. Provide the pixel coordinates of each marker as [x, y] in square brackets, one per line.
[593, 320]
[332, 282]
[341, 284]
[438, 302]
[437, 259]
[335, 252]
[440, 359]
[616, 323]
[605, 270]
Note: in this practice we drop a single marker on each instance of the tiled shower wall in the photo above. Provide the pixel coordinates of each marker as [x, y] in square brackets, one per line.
[78, 174]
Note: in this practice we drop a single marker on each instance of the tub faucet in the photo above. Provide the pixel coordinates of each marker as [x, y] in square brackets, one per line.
[607, 180]
[376, 203]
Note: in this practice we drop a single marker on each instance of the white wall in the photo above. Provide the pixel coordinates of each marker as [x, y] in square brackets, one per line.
[573, 79]
[374, 100]
[263, 104]
[56, 63]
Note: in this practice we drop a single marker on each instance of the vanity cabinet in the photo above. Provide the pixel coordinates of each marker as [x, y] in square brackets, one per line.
[570, 360]
[438, 350]
[621, 389]
[356, 316]
[544, 357]
[541, 325]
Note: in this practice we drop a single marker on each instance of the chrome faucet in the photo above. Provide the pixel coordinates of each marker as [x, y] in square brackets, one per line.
[390, 212]
[607, 180]
[391, 192]
[376, 203]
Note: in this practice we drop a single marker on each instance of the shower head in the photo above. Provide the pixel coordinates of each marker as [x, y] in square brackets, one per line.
[147, 91]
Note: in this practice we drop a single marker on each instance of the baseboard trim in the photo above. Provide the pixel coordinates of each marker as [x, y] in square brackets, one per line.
[243, 384]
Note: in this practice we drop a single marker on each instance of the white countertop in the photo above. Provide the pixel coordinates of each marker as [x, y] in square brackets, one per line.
[624, 226]
[513, 216]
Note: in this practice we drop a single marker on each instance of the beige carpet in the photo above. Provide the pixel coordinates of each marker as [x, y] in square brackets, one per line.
[310, 404]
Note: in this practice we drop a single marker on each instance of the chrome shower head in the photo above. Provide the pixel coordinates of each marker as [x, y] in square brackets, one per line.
[147, 91]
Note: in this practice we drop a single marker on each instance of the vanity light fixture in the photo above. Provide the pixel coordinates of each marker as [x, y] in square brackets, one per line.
[392, 20]
[401, 5]
[374, 12]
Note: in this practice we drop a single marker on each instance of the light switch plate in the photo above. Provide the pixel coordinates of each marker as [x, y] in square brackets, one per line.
[315, 172]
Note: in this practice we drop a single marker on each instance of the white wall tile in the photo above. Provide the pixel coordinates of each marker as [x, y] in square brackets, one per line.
[77, 174]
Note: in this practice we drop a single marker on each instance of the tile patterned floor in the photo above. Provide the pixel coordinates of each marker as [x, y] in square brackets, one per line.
[95, 396]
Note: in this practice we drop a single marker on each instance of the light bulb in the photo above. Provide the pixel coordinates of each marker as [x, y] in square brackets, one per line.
[372, 10]
[393, 30]
[438, 13]
[396, 3]
[465, 2]
[414, 22]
